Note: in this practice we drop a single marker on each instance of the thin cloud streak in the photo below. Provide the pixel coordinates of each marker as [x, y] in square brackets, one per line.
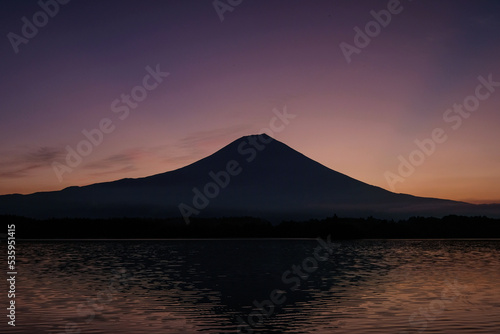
[18, 164]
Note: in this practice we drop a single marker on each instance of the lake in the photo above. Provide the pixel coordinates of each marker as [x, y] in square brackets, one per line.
[257, 286]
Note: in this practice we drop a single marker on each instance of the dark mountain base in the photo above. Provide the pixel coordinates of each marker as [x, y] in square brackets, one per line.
[248, 227]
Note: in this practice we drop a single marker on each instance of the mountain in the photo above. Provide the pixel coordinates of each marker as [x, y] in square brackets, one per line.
[253, 176]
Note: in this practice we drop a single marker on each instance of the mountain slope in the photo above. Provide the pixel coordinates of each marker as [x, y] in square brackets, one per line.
[254, 175]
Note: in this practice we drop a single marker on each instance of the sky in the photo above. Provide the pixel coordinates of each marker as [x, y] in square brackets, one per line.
[100, 91]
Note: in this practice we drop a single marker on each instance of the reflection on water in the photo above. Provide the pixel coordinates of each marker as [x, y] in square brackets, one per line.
[189, 286]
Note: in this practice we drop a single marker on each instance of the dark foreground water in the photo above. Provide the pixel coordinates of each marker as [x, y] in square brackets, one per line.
[260, 286]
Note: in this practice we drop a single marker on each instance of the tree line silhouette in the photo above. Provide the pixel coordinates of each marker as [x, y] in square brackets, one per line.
[249, 227]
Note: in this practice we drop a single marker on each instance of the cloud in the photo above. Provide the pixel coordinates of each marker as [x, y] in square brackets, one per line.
[16, 164]
[192, 146]
[125, 169]
[124, 161]
[111, 161]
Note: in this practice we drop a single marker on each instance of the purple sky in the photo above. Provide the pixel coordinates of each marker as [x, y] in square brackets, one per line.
[226, 78]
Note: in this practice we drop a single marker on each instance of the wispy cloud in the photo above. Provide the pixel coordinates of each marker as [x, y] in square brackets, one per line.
[25, 162]
[111, 161]
[117, 163]
[125, 169]
[21, 163]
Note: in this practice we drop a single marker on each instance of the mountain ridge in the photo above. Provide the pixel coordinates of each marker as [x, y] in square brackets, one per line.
[254, 175]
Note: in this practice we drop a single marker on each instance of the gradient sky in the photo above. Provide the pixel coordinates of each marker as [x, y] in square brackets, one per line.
[227, 77]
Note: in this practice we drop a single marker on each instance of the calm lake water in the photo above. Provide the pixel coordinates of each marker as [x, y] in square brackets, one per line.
[213, 286]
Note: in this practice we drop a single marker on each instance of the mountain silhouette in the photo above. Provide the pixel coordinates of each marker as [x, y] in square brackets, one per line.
[253, 176]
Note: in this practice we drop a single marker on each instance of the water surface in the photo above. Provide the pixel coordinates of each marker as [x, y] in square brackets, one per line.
[210, 286]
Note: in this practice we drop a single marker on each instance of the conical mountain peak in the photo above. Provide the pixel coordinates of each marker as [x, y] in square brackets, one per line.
[255, 175]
